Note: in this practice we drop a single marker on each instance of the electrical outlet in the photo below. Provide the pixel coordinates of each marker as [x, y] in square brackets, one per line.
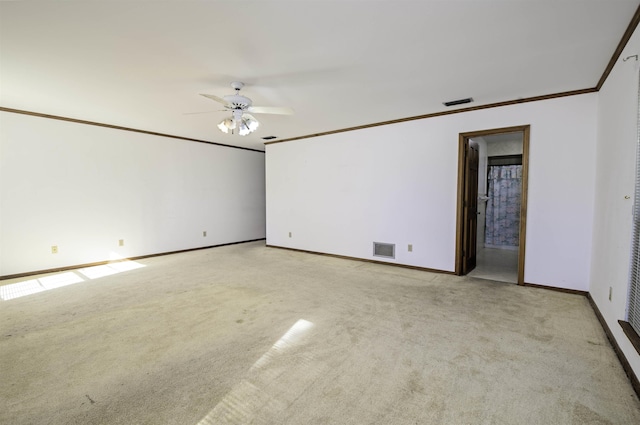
[610, 292]
[120, 242]
[54, 249]
[204, 234]
[289, 234]
[410, 248]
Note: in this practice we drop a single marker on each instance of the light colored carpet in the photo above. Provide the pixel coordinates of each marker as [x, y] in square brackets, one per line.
[246, 334]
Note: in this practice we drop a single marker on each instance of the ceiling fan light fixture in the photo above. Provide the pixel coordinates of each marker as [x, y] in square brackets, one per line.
[251, 122]
[227, 124]
[248, 124]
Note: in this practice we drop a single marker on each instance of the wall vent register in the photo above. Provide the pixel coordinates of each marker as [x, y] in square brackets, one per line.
[387, 250]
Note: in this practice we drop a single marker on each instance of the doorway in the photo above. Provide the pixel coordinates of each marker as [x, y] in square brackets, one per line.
[492, 203]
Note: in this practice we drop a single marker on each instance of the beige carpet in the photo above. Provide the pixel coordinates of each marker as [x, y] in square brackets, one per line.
[252, 335]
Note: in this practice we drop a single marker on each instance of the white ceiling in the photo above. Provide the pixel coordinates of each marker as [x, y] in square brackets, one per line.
[337, 63]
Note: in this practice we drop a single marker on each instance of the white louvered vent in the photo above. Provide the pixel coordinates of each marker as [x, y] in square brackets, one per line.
[387, 250]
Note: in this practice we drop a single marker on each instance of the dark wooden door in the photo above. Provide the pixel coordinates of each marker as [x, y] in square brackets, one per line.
[470, 212]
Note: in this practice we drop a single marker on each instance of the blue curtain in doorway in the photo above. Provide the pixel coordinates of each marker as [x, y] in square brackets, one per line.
[503, 206]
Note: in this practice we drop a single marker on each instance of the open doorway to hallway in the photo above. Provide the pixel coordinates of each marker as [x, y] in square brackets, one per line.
[496, 202]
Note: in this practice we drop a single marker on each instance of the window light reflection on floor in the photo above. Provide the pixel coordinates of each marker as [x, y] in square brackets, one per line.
[245, 401]
[109, 269]
[60, 280]
[21, 289]
[288, 340]
[34, 286]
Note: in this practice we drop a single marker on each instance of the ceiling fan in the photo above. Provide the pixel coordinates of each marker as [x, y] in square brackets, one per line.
[240, 108]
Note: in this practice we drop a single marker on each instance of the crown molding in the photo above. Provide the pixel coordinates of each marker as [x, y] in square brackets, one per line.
[117, 127]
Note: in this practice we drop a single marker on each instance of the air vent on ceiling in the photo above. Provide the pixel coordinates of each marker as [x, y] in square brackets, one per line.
[269, 137]
[458, 102]
[387, 250]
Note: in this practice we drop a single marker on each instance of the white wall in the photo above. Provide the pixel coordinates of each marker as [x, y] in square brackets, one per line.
[507, 147]
[615, 178]
[397, 183]
[83, 188]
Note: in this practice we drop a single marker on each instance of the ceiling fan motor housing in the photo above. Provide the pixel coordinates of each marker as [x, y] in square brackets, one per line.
[236, 101]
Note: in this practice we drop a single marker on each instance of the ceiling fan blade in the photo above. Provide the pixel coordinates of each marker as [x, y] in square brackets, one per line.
[203, 112]
[270, 110]
[214, 97]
